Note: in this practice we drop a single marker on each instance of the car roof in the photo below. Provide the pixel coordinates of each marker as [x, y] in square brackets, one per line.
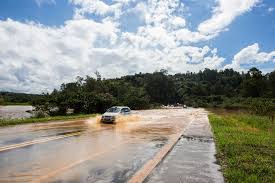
[120, 107]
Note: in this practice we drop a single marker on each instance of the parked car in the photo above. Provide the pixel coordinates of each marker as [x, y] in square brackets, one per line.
[115, 112]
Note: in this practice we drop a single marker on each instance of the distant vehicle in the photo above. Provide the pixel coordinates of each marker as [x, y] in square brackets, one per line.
[113, 113]
[184, 106]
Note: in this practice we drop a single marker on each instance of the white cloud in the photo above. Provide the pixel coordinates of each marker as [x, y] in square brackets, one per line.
[41, 2]
[99, 7]
[270, 9]
[251, 55]
[178, 22]
[36, 58]
[186, 36]
[91, 6]
[224, 13]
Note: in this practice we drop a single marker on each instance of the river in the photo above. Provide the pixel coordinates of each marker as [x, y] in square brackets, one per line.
[15, 111]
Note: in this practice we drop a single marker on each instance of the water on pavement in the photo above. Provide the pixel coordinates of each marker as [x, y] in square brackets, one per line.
[87, 150]
[192, 159]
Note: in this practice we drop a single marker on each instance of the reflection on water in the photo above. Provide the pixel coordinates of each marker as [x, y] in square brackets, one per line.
[14, 111]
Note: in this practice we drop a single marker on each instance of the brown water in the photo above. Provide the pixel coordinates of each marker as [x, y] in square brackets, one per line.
[87, 150]
[15, 111]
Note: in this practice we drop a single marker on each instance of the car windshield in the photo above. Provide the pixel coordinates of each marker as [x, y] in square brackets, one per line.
[114, 110]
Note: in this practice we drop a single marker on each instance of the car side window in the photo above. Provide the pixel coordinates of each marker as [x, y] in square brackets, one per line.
[125, 110]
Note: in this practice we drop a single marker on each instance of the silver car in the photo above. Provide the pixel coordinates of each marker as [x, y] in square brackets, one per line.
[113, 113]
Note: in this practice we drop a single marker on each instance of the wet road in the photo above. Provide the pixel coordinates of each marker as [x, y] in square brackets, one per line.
[88, 151]
[192, 158]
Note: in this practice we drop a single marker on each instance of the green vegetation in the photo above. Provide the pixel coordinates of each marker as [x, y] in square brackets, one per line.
[7, 122]
[209, 88]
[10, 98]
[245, 146]
[16, 103]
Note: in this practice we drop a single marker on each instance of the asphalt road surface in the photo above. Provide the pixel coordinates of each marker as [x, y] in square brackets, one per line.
[89, 151]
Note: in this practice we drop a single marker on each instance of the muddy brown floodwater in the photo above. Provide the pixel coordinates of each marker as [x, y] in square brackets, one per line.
[88, 151]
[15, 111]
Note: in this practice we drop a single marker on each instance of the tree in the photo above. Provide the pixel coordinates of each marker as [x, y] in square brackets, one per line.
[255, 73]
[140, 91]
[2, 101]
[271, 78]
[161, 88]
[253, 85]
[98, 75]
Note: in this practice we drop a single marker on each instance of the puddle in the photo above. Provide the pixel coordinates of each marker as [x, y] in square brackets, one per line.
[116, 166]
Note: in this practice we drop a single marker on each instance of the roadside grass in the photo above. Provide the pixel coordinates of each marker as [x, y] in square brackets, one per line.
[245, 147]
[9, 122]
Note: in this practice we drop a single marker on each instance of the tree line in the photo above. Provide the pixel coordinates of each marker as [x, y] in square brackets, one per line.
[7, 98]
[207, 88]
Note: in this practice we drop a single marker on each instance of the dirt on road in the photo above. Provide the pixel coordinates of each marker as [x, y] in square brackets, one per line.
[89, 151]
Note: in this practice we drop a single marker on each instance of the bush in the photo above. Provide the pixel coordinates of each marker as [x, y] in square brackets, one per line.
[40, 114]
[261, 107]
[2, 101]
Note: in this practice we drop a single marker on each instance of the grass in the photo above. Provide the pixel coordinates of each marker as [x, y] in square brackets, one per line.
[245, 146]
[15, 103]
[8, 122]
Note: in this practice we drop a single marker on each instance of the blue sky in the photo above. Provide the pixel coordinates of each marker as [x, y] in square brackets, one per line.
[46, 42]
[52, 14]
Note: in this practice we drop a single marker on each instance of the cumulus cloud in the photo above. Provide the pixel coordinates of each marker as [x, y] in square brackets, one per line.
[251, 55]
[99, 7]
[95, 6]
[37, 58]
[224, 13]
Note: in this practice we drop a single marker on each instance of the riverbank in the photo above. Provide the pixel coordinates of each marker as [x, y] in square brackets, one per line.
[15, 104]
[9, 122]
[245, 146]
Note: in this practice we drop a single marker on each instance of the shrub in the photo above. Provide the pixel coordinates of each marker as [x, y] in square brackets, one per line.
[2, 101]
[261, 107]
[40, 114]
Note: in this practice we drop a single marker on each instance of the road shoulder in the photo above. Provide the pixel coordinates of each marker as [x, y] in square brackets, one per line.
[193, 157]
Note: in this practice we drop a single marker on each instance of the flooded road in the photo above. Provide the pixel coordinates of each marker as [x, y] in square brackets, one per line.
[15, 111]
[88, 151]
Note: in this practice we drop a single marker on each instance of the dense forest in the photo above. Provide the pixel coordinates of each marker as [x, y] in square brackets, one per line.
[7, 98]
[208, 88]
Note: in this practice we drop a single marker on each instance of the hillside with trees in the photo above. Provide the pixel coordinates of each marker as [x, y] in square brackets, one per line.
[10, 98]
[209, 88]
